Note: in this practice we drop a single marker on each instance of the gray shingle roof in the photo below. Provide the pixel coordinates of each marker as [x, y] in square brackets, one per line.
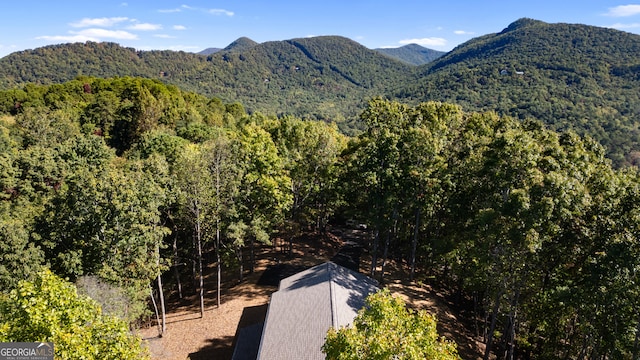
[306, 305]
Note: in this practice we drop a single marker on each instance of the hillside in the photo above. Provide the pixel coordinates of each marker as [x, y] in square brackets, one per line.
[209, 51]
[326, 78]
[240, 44]
[569, 76]
[413, 54]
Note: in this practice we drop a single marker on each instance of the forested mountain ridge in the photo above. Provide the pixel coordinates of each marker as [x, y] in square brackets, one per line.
[209, 51]
[413, 54]
[567, 75]
[326, 77]
[241, 44]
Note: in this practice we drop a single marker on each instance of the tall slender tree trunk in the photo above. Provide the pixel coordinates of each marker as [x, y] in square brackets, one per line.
[252, 256]
[512, 325]
[385, 253]
[200, 275]
[239, 257]
[194, 265]
[374, 252]
[161, 293]
[475, 313]
[636, 343]
[218, 262]
[155, 308]
[162, 306]
[176, 263]
[393, 231]
[414, 244]
[492, 327]
[218, 211]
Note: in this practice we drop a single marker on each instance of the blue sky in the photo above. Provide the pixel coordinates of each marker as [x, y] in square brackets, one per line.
[193, 25]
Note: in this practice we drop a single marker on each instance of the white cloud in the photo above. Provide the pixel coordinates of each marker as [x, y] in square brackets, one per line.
[463, 32]
[145, 27]
[101, 22]
[624, 10]
[109, 34]
[432, 41]
[68, 38]
[170, 10]
[124, 4]
[208, 11]
[220, 12]
[183, 48]
[179, 27]
[99, 34]
[164, 36]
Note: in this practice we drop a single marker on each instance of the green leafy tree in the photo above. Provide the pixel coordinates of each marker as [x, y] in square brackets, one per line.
[264, 194]
[105, 220]
[374, 171]
[49, 309]
[20, 258]
[196, 196]
[310, 152]
[385, 329]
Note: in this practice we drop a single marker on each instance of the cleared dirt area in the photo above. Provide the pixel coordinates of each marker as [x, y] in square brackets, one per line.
[189, 336]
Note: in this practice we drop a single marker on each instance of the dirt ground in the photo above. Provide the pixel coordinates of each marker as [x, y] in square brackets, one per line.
[245, 303]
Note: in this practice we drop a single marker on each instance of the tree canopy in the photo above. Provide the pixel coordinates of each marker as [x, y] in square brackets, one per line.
[123, 179]
[385, 329]
[49, 309]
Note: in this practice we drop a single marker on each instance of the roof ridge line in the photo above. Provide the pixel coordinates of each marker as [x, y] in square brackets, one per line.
[332, 297]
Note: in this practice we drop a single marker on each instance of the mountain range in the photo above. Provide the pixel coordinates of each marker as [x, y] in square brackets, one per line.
[413, 54]
[569, 76]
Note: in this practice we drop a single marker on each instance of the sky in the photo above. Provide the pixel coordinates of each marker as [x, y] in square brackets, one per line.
[193, 25]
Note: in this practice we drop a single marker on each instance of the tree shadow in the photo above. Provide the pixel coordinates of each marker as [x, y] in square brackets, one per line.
[274, 273]
[349, 256]
[249, 332]
[219, 348]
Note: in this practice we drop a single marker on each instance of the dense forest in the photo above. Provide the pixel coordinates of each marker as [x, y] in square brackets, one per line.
[503, 169]
[569, 76]
[118, 184]
[324, 78]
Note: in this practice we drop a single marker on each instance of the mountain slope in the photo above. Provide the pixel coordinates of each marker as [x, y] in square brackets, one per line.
[569, 76]
[209, 51]
[413, 54]
[241, 44]
[326, 77]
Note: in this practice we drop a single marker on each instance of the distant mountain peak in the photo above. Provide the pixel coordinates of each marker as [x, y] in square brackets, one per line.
[209, 51]
[413, 54]
[241, 44]
[521, 23]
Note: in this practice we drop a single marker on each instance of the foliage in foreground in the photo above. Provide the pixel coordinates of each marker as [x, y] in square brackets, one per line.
[49, 309]
[386, 329]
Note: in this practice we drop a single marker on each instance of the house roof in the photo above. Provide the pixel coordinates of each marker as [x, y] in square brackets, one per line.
[306, 305]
